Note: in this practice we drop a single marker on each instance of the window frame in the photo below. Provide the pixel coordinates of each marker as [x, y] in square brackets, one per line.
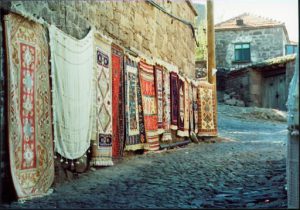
[248, 60]
[294, 49]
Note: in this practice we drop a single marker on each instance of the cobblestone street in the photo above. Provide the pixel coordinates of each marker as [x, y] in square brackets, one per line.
[246, 170]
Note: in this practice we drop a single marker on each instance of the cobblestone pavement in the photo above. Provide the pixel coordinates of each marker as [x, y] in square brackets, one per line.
[246, 172]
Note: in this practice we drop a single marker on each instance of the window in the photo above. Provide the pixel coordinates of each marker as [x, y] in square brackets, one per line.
[290, 49]
[242, 52]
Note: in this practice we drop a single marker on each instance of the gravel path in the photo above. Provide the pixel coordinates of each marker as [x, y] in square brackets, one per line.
[246, 172]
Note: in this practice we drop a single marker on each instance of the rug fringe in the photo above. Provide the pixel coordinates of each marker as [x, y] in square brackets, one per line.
[160, 131]
[147, 147]
[134, 147]
[23, 200]
[211, 134]
[174, 127]
[101, 162]
[182, 133]
[152, 133]
[166, 136]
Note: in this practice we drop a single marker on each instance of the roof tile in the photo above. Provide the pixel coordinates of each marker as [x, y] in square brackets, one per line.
[249, 21]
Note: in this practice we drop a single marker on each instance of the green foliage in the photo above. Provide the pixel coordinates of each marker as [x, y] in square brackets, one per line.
[201, 50]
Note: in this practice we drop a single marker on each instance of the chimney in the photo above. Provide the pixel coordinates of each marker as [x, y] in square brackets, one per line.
[239, 22]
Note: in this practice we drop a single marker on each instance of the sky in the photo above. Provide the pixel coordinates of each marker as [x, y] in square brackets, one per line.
[282, 10]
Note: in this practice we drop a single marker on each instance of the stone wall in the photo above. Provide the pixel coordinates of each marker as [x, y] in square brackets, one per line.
[134, 24]
[265, 43]
[247, 85]
[256, 88]
[237, 87]
[201, 69]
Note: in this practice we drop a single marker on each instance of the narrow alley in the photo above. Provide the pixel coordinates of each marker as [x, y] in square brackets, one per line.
[246, 170]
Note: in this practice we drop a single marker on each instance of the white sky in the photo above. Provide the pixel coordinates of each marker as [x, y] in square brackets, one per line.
[282, 10]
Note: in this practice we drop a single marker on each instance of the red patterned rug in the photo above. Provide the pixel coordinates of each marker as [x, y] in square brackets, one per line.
[117, 102]
[174, 85]
[159, 99]
[146, 76]
[29, 106]
[166, 106]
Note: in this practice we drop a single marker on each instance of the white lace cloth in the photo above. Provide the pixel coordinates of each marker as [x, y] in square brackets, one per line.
[72, 74]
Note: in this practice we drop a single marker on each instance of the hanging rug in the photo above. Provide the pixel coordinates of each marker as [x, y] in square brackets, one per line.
[207, 124]
[146, 77]
[29, 107]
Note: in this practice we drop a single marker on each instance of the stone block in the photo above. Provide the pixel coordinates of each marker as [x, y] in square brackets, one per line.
[138, 22]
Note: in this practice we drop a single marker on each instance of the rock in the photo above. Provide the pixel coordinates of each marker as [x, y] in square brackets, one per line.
[250, 204]
[240, 103]
[231, 102]
[194, 137]
[232, 93]
[226, 97]
[197, 202]
[82, 165]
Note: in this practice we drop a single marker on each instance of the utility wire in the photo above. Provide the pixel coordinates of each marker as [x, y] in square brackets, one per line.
[176, 18]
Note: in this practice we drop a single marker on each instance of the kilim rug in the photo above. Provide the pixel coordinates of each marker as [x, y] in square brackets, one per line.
[183, 120]
[29, 107]
[174, 85]
[72, 75]
[158, 75]
[207, 124]
[141, 109]
[134, 126]
[181, 107]
[195, 107]
[146, 76]
[102, 145]
[117, 102]
[191, 112]
[166, 105]
[186, 107]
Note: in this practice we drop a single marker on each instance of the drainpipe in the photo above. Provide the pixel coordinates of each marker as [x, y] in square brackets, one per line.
[292, 169]
[211, 63]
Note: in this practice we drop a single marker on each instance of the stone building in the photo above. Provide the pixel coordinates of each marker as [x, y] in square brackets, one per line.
[248, 39]
[263, 84]
[159, 29]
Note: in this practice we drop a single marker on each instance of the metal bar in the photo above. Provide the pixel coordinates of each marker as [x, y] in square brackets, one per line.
[176, 144]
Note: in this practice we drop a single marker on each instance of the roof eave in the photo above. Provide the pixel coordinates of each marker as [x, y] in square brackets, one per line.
[250, 28]
[269, 62]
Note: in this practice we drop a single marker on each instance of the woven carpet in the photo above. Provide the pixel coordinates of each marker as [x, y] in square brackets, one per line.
[174, 86]
[166, 106]
[117, 102]
[135, 132]
[159, 99]
[181, 109]
[191, 112]
[29, 107]
[146, 76]
[186, 107]
[102, 146]
[195, 108]
[141, 111]
[207, 124]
